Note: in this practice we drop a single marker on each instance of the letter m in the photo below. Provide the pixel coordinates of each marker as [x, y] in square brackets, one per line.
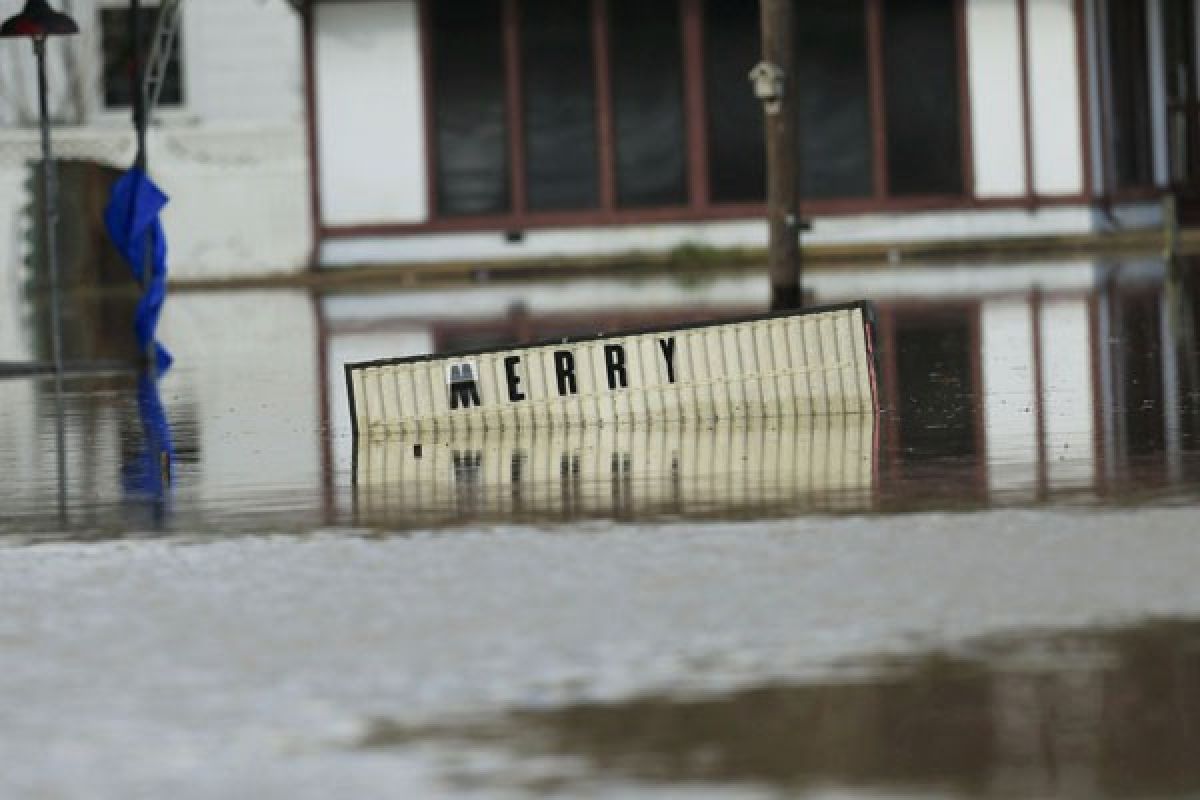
[464, 389]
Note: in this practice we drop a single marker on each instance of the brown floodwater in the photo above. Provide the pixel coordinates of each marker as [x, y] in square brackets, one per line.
[1000, 386]
[984, 590]
[1073, 714]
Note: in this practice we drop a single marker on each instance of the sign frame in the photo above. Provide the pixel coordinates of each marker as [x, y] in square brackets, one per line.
[863, 306]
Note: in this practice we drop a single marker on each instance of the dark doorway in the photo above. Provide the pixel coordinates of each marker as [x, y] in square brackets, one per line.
[1183, 111]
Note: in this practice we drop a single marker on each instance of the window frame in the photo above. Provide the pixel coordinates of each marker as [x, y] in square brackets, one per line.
[698, 206]
[183, 112]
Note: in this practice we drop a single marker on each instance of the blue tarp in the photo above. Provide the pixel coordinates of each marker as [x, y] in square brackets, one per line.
[132, 215]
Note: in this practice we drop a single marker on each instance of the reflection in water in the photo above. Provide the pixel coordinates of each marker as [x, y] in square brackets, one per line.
[1109, 713]
[146, 475]
[823, 462]
[1005, 386]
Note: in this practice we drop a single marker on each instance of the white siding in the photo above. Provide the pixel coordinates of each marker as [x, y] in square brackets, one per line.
[1067, 393]
[370, 113]
[244, 60]
[1054, 96]
[1008, 387]
[226, 365]
[993, 49]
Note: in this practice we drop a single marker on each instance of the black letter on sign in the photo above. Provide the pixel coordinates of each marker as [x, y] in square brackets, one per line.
[564, 365]
[668, 350]
[463, 388]
[514, 380]
[614, 359]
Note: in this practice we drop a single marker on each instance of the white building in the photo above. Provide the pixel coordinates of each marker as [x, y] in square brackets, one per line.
[227, 143]
[492, 129]
[408, 131]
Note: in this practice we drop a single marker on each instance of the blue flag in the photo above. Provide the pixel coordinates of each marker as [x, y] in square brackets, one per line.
[132, 220]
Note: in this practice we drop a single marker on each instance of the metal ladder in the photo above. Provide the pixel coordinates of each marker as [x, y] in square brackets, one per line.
[166, 29]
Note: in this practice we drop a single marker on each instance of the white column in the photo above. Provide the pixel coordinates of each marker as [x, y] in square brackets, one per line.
[370, 113]
[1067, 393]
[1054, 97]
[994, 79]
[1008, 388]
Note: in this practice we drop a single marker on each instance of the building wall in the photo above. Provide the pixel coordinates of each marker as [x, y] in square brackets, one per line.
[997, 112]
[1022, 71]
[232, 158]
[370, 113]
[1009, 400]
[1054, 98]
[1067, 392]
[625, 239]
[996, 60]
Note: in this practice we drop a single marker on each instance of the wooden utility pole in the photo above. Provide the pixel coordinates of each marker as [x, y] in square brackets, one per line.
[775, 84]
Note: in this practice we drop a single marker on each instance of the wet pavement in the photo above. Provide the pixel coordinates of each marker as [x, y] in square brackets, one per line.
[984, 591]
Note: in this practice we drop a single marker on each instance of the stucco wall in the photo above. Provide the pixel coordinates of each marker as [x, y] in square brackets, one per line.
[239, 195]
[370, 113]
[997, 116]
[233, 157]
[994, 80]
[1054, 98]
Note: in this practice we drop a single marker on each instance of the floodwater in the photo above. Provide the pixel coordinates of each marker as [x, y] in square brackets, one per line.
[987, 590]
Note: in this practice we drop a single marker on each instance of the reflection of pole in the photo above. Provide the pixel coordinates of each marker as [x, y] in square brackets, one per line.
[140, 123]
[49, 210]
[50, 223]
[778, 39]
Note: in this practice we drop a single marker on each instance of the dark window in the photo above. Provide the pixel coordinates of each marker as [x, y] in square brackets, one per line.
[572, 123]
[737, 167]
[647, 100]
[118, 58]
[1141, 388]
[469, 108]
[920, 56]
[835, 110]
[560, 105]
[1183, 113]
[936, 385]
[1130, 80]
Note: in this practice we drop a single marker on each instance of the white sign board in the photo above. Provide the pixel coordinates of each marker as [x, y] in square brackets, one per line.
[817, 361]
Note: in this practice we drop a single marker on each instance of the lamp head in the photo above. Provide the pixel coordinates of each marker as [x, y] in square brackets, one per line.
[38, 20]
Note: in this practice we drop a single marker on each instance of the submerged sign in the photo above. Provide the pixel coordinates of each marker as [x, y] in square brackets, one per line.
[825, 461]
[817, 361]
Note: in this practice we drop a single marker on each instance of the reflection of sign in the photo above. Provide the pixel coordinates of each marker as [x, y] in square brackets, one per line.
[811, 362]
[819, 462]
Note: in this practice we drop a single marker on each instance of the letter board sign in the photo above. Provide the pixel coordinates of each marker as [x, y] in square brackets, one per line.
[816, 361]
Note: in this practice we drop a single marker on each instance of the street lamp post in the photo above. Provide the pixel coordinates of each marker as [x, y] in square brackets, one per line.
[37, 21]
